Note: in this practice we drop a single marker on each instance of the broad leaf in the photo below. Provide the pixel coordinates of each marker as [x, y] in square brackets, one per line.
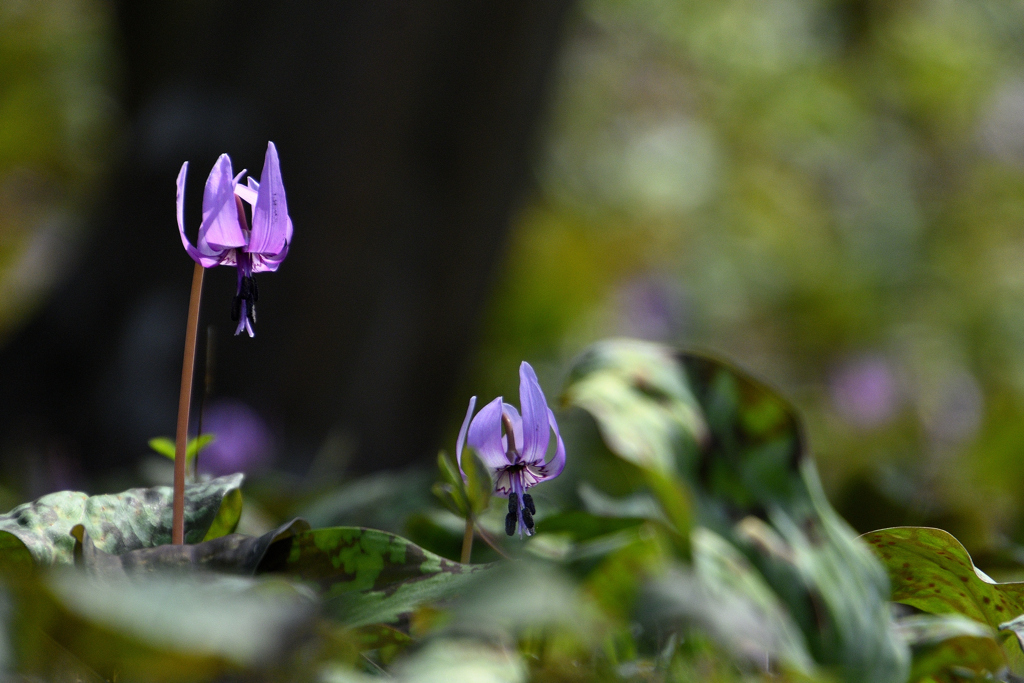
[726, 595]
[706, 431]
[369, 576]
[930, 570]
[232, 554]
[946, 647]
[137, 518]
[646, 413]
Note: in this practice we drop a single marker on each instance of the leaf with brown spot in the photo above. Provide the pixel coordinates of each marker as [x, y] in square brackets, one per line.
[930, 570]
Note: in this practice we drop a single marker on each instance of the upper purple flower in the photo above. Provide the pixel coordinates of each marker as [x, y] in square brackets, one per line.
[514, 447]
[224, 235]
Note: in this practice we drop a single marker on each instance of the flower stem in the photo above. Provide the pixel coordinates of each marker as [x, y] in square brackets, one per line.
[188, 366]
[467, 541]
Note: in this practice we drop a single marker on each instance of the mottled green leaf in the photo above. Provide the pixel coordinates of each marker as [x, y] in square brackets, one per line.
[232, 554]
[930, 570]
[754, 447]
[368, 576]
[137, 518]
[646, 413]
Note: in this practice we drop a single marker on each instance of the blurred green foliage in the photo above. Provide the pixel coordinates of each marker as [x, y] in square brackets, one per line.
[830, 192]
[57, 136]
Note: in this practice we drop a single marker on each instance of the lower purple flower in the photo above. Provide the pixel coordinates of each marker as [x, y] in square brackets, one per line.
[514, 447]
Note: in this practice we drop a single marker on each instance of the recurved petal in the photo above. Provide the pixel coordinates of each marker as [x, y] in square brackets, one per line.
[557, 464]
[461, 441]
[205, 260]
[485, 435]
[271, 226]
[536, 433]
[222, 225]
[262, 263]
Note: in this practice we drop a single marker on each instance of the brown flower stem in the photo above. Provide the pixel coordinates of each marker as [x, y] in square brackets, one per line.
[467, 541]
[188, 367]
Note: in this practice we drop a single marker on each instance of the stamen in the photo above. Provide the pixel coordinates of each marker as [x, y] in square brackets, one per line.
[255, 289]
[510, 433]
[528, 503]
[236, 308]
[513, 503]
[527, 520]
[250, 311]
[243, 288]
[510, 524]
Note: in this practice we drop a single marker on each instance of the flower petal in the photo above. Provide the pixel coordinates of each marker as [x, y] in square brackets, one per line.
[462, 435]
[553, 468]
[503, 483]
[485, 435]
[262, 263]
[205, 260]
[271, 226]
[221, 228]
[536, 432]
[248, 194]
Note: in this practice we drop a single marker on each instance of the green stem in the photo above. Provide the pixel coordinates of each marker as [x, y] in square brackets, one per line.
[188, 367]
[467, 541]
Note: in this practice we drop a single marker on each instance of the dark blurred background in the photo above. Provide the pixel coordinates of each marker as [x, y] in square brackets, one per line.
[828, 192]
[405, 132]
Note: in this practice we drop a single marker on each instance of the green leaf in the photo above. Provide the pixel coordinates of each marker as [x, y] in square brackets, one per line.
[584, 526]
[930, 570]
[463, 497]
[451, 491]
[162, 628]
[368, 576]
[228, 514]
[646, 413]
[722, 449]
[948, 646]
[726, 595]
[165, 446]
[137, 518]
[233, 554]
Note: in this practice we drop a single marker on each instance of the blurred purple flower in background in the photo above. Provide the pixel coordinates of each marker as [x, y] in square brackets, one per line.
[515, 457]
[242, 442]
[650, 307]
[224, 236]
[865, 392]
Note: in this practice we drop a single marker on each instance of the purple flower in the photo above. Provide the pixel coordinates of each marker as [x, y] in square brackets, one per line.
[224, 235]
[514, 447]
